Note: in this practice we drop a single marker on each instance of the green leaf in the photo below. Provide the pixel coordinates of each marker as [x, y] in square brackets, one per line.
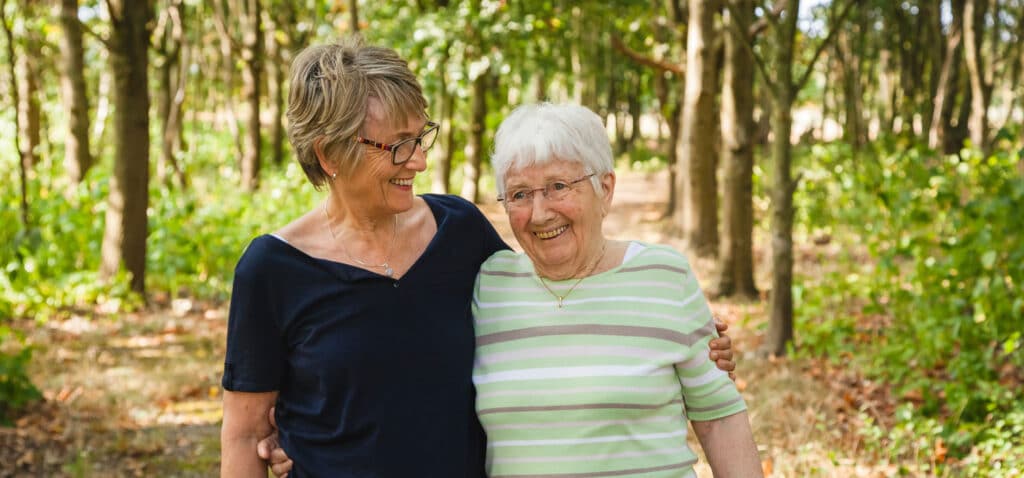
[988, 259]
[1011, 343]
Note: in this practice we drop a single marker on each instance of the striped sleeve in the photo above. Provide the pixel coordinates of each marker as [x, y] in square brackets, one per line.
[708, 393]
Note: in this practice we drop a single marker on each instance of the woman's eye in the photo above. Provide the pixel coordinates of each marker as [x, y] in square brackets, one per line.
[558, 186]
[518, 195]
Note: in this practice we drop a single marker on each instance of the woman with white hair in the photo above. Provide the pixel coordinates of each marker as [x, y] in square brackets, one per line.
[352, 322]
[592, 353]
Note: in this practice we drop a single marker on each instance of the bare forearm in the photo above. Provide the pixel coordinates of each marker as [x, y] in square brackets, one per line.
[239, 459]
[729, 446]
[246, 421]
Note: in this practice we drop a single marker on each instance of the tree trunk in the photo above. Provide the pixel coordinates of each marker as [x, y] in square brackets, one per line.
[353, 16]
[252, 75]
[475, 147]
[28, 106]
[99, 124]
[171, 95]
[635, 112]
[674, 118]
[275, 89]
[780, 326]
[13, 88]
[227, 74]
[886, 92]
[698, 188]
[440, 174]
[736, 254]
[854, 131]
[77, 159]
[931, 17]
[124, 237]
[945, 93]
[981, 85]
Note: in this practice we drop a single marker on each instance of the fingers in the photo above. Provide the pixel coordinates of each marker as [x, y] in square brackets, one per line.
[722, 355]
[721, 343]
[266, 446]
[280, 464]
[725, 365]
[732, 376]
[720, 326]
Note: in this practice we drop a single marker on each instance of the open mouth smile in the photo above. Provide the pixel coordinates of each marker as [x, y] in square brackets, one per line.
[401, 182]
[552, 233]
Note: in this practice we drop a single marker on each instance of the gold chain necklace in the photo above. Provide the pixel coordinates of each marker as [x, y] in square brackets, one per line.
[591, 271]
[388, 270]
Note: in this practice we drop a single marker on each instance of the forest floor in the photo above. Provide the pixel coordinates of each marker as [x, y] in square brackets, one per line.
[139, 394]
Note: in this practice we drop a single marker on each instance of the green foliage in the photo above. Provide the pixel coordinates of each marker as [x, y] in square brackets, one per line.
[939, 312]
[16, 390]
[196, 236]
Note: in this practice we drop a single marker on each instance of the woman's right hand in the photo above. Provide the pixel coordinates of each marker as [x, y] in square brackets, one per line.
[270, 449]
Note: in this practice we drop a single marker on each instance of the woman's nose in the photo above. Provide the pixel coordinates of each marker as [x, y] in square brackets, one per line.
[540, 213]
[418, 160]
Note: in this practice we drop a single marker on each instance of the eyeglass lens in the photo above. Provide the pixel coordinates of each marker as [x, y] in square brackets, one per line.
[404, 151]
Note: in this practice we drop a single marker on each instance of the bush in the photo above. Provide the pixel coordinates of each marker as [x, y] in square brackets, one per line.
[946, 237]
[16, 390]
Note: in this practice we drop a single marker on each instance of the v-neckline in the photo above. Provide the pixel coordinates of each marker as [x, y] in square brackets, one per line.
[435, 213]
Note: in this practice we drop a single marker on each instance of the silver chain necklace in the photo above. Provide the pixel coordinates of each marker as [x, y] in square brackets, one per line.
[388, 270]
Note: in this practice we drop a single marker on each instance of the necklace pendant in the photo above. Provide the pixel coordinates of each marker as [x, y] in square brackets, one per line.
[560, 302]
[388, 271]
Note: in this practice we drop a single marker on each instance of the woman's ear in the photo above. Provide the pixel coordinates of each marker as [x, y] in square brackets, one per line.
[608, 186]
[325, 165]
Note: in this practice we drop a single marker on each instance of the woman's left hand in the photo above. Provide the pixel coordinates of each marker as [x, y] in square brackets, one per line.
[721, 350]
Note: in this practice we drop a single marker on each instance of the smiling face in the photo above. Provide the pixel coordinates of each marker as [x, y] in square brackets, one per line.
[377, 185]
[563, 238]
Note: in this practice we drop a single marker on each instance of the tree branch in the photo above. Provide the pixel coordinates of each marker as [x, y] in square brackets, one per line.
[646, 60]
[748, 44]
[771, 17]
[837, 24]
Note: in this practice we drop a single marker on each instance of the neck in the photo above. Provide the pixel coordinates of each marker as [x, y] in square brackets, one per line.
[587, 265]
[346, 217]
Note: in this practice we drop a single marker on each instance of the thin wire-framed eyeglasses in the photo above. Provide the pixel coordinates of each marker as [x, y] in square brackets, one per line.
[552, 191]
[402, 151]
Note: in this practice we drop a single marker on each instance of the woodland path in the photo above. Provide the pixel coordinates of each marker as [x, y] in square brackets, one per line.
[138, 394]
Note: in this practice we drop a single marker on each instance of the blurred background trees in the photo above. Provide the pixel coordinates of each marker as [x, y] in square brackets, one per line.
[889, 131]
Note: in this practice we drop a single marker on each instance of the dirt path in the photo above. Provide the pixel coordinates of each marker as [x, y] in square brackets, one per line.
[140, 395]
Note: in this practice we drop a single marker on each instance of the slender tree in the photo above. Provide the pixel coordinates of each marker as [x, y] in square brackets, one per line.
[74, 96]
[979, 70]
[479, 69]
[945, 92]
[783, 87]
[736, 253]
[353, 16]
[13, 88]
[251, 47]
[126, 227]
[441, 171]
[28, 71]
[171, 68]
[698, 186]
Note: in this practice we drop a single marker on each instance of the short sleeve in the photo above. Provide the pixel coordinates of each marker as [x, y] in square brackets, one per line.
[255, 359]
[708, 393]
[492, 242]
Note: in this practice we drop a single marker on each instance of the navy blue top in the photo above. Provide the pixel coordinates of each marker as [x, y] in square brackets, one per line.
[373, 373]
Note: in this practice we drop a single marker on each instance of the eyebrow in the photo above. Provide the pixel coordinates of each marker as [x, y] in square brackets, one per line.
[404, 135]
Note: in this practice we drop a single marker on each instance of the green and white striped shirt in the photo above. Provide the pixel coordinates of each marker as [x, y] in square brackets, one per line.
[603, 386]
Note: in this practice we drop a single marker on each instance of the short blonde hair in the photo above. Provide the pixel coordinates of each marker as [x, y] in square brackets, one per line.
[536, 134]
[330, 87]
